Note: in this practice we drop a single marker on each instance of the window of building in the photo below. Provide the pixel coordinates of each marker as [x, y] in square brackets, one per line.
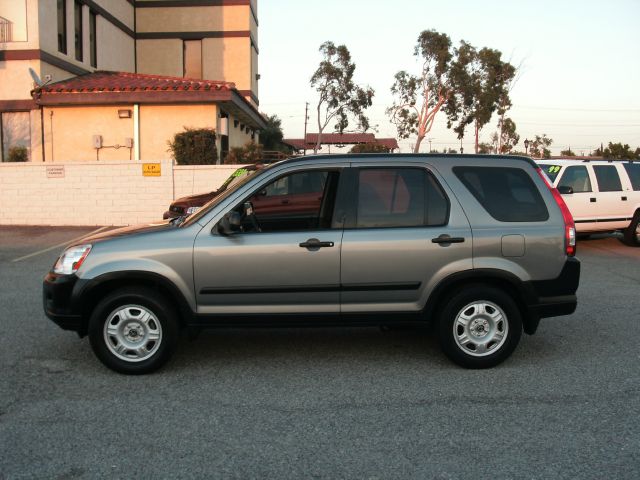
[507, 194]
[77, 22]
[62, 26]
[608, 178]
[193, 58]
[577, 178]
[399, 197]
[15, 135]
[92, 39]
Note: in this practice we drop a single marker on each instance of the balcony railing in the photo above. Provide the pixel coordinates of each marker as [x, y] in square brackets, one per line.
[6, 30]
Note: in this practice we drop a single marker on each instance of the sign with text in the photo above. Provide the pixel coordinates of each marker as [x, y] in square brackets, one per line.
[55, 172]
[151, 169]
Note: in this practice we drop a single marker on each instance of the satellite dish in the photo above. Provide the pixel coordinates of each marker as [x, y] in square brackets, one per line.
[36, 78]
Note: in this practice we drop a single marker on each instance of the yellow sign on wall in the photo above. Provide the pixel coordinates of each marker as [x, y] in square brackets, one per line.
[151, 170]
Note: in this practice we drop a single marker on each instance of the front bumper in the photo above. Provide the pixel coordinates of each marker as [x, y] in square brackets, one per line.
[57, 301]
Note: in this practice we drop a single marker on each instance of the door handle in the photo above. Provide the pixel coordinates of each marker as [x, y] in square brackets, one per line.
[446, 239]
[592, 200]
[284, 202]
[624, 199]
[314, 244]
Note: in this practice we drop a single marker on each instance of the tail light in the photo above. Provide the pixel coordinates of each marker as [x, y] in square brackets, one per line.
[569, 225]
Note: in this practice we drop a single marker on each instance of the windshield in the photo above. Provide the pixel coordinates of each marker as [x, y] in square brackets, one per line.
[551, 170]
[231, 184]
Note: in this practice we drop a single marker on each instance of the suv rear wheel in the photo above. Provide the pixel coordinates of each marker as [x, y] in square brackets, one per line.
[133, 330]
[479, 326]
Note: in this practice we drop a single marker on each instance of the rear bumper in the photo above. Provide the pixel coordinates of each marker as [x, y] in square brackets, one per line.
[57, 301]
[553, 298]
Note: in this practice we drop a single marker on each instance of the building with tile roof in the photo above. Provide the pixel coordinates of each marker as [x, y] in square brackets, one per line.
[169, 63]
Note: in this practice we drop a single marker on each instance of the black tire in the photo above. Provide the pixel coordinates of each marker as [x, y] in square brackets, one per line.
[632, 232]
[493, 330]
[140, 318]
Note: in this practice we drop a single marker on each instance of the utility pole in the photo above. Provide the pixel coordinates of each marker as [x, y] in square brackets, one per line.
[306, 118]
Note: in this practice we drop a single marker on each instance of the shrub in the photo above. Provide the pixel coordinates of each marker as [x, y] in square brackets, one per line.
[369, 148]
[250, 153]
[18, 154]
[194, 146]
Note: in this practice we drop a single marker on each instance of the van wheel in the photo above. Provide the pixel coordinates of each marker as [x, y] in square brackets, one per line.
[479, 327]
[133, 331]
[632, 232]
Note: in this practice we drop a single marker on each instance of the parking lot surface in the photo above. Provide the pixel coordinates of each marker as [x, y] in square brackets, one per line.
[323, 403]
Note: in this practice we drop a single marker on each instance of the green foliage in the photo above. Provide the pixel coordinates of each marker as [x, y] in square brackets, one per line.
[539, 147]
[249, 153]
[194, 146]
[339, 96]
[567, 153]
[371, 147]
[618, 151]
[271, 136]
[480, 83]
[18, 153]
[418, 98]
[486, 148]
[508, 136]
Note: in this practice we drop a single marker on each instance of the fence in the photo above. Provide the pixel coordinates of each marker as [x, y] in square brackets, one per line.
[98, 193]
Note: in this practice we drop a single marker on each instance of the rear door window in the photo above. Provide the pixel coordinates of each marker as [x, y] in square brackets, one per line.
[577, 178]
[399, 197]
[608, 178]
[633, 170]
[507, 194]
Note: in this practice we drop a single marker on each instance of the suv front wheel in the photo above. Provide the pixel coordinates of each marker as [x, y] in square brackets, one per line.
[133, 331]
[479, 326]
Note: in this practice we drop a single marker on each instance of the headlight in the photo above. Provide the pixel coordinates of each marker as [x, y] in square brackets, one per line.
[191, 210]
[70, 261]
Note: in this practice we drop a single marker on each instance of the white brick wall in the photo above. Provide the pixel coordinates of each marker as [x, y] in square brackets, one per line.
[98, 193]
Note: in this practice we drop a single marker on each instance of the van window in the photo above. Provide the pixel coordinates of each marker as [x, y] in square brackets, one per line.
[633, 170]
[608, 178]
[507, 194]
[577, 178]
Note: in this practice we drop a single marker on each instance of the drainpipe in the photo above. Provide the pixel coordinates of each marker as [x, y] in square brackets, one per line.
[136, 132]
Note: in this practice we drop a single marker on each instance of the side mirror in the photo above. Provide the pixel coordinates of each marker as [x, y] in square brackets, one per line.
[565, 189]
[229, 224]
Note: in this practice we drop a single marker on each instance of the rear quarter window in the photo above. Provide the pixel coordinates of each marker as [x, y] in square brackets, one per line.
[507, 194]
[633, 170]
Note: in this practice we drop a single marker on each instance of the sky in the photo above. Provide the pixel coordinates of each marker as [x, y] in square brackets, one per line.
[579, 76]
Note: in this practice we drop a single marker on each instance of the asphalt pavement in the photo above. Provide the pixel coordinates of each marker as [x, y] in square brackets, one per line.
[323, 403]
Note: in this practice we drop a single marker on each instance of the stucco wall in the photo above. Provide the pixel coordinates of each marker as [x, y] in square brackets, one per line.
[193, 19]
[112, 193]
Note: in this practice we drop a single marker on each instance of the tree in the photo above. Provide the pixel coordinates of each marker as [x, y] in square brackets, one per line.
[485, 147]
[418, 98]
[370, 147]
[339, 95]
[480, 83]
[618, 151]
[271, 136]
[539, 147]
[508, 138]
[194, 146]
[568, 153]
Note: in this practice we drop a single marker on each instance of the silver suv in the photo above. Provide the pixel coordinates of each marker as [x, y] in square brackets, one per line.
[480, 245]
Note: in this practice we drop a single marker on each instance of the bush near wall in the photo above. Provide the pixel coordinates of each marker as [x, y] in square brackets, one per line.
[194, 146]
[18, 154]
[250, 153]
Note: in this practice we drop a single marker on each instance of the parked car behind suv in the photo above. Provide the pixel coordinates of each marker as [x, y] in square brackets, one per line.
[185, 206]
[603, 196]
[479, 245]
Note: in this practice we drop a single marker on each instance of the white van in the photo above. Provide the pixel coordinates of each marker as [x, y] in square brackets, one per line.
[602, 195]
